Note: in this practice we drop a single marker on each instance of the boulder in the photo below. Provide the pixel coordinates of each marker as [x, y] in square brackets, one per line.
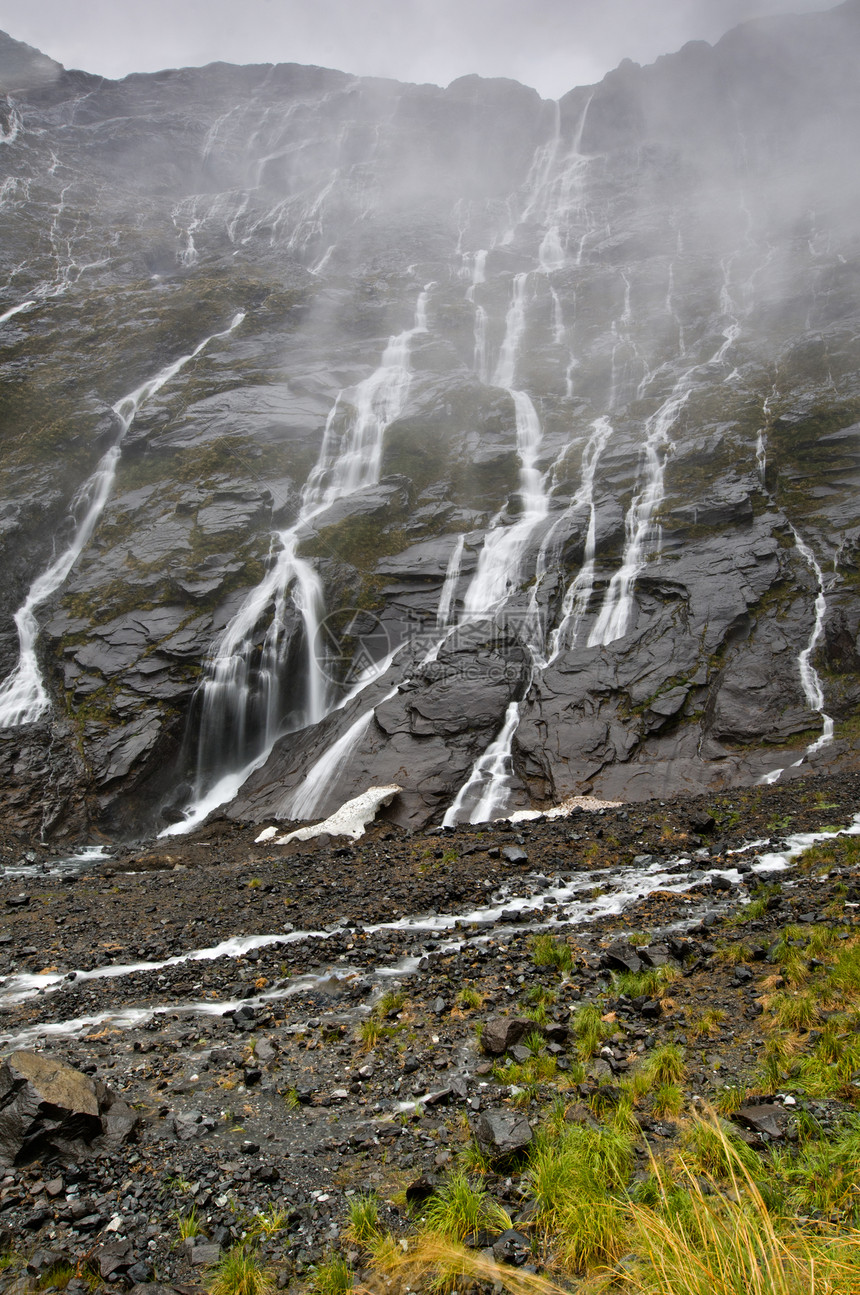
[502, 1133]
[50, 1110]
[503, 1032]
[621, 957]
[768, 1121]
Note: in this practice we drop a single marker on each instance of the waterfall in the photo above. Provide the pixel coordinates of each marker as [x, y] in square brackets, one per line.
[556, 186]
[761, 440]
[16, 310]
[23, 696]
[481, 354]
[449, 588]
[8, 134]
[240, 702]
[489, 777]
[500, 560]
[614, 617]
[515, 323]
[481, 359]
[498, 570]
[639, 528]
[306, 800]
[579, 591]
[809, 677]
[810, 680]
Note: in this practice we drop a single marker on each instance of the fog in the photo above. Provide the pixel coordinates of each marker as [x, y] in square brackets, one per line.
[552, 45]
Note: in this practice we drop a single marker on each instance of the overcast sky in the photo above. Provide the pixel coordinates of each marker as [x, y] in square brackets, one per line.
[550, 44]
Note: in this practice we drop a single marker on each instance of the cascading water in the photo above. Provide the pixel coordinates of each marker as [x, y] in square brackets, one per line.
[305, 802]
[556, 197]
[240, 702]
[810, 680]
[500, 563]
[449, 586]
[501, 557]
[642, 536]
[614, 618]
[578, 594]
[484, 793]
[23, 697]
[16, 310]
[761, 440]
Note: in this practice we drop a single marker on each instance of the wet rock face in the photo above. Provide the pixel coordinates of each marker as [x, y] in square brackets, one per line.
[597, 452]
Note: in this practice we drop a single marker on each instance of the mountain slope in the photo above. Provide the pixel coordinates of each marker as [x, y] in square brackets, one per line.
[557, 403]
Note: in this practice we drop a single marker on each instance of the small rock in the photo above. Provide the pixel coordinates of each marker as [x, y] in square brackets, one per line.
[514, 854]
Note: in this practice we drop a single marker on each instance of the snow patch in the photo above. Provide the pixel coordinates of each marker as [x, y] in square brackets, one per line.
[350, 820]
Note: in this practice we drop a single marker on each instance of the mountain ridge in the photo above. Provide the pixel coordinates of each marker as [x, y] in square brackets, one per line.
[598, 358]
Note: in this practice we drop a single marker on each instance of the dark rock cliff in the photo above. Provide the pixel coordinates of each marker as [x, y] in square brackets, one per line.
[634, 381]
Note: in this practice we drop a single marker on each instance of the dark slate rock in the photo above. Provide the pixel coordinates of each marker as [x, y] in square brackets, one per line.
[502, 1032]
[621, 957]
[654, 955]
[512, 1248]
[503, 1133]
[45, 1106]
[514, 854]
[767, 1120]
[421, 1189]
[116, 1257]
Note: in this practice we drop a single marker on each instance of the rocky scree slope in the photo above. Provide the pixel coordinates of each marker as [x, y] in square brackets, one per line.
[429, 994]
[612, 455]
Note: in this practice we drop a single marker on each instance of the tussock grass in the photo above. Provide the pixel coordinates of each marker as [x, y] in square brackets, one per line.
[391, 1001]
[822, 1175]
[589, 1030]
[710, 1222]
[547, 951]
[268, 1222]
[795, 1011]
[363, 1217]
[469, 999]
[707, 1023]
[731, 1246]
[371, 1032]
[576, 1176]
[188, 1224]
[333, 1277]
[665, 1064]
[653, 982]
[240, 1271]
[730, 1099]
[57, 1277]
[667, 1099]
[458, 1210]
[540, 1069]
[715, 1149]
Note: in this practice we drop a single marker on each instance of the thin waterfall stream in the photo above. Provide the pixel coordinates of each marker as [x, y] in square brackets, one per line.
[23, 696]
[810, 680]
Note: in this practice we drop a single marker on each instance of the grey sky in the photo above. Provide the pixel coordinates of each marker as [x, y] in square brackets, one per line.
[550, 44]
